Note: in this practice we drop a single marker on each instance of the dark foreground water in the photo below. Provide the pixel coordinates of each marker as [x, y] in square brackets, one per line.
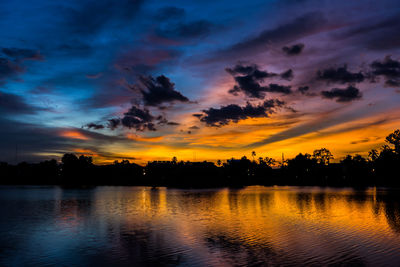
[139, 226]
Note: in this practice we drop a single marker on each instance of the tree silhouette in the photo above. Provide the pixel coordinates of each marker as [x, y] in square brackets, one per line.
[304, 169]
[253, 154]
[269, 161]
[394, 139]
[323, 156]
[373, 154]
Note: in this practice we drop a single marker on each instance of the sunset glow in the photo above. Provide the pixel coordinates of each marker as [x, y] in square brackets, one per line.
[74, 135]
[147, 80]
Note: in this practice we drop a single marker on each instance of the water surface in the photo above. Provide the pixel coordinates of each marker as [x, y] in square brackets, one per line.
[140, 226]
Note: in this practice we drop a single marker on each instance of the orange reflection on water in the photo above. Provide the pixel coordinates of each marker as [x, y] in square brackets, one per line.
[142, 226]
[311, 225]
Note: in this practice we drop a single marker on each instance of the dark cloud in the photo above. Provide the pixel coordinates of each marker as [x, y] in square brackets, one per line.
[14, 135]
[234, 113]
[248, 80]
[93, 15]
[11, 65]
[252, 70]
[162, 120]
[94, 126]
[387, 37]
[375, 34]
[303, 89]
[186, 30]
[170, 13]
[343, 95]
[158, 91]
[49, 141]
[141, 61]
[197, 115]
[139, 119]
[15, 104]
[22, 54]
[392, 83]
[300, 27]
[276, 88]
[174, 26]
[293, 50]
[340, 75]
[365, 140]
[389, 69]
[136, 118]
[194, 127]
[114, 123]
[173, 123]
[287, 75]
[9, 69]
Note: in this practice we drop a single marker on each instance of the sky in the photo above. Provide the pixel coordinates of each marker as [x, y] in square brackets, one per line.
[199, 80]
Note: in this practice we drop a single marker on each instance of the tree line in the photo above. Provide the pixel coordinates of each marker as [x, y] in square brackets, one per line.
[380, 168]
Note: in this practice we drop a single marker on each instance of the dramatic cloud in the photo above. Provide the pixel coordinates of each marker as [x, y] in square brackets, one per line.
[186, 30]
[293, 50]
[317, 126]
[343, 95]
[276, 88]
[15, 104]
[234, 113]
[8, 69]
[92, 16]
[38, 139]
[303, 89]
[173, 123]
[95, 52]
[22, 54]
[135, 118]
[249, 78]
[139, 119]
[95, 126]
[174, 26]
[114, 123]
[287, 75]
[340, 75]
[388, 68]
[393, 83]
[51, 142]
[252, 70]
[376, 34]
[11, 65]
[159, 91]
[302, 26]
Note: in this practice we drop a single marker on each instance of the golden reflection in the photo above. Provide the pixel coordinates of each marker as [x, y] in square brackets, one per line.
[260, 213]
[308, 225]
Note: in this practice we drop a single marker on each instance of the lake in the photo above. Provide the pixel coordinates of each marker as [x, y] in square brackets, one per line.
[141, 226]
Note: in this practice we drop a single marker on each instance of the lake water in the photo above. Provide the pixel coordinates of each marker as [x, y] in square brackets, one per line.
[140, 226]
